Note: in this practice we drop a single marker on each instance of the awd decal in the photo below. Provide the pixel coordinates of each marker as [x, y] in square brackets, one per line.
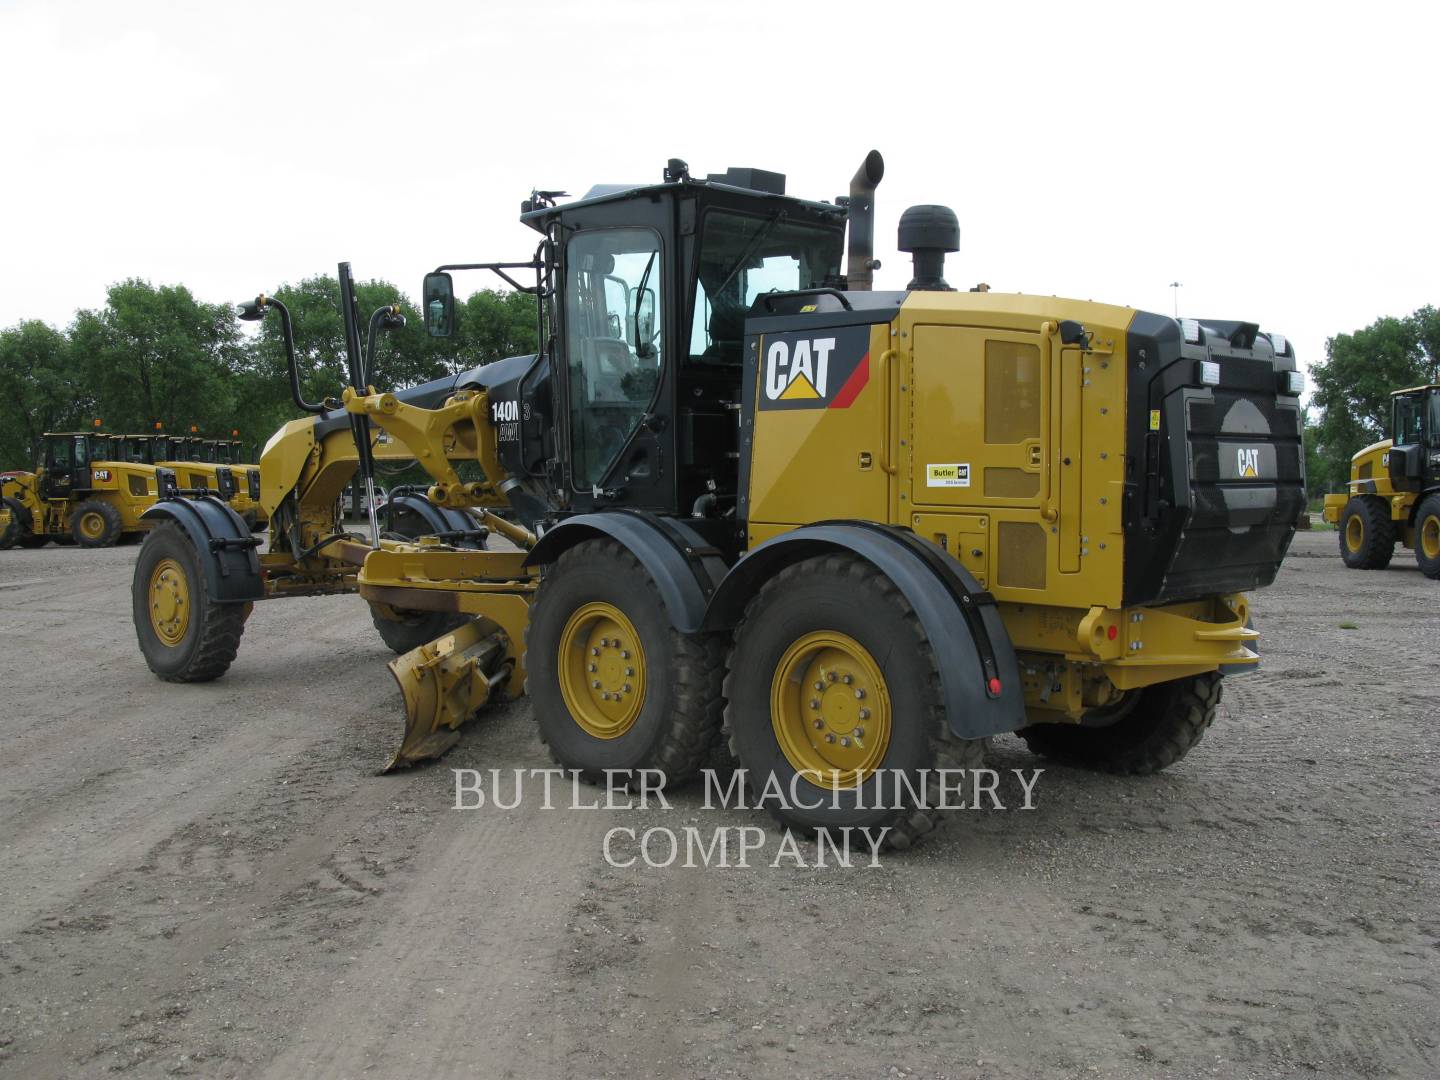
[823, 369]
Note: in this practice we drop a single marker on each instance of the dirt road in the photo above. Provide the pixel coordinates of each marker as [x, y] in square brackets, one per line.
[212, 881]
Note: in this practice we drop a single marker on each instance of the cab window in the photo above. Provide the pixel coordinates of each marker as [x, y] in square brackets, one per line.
[612, 317]
[743, 257]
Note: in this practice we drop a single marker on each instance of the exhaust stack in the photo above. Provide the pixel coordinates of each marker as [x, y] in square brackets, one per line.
[861, 264]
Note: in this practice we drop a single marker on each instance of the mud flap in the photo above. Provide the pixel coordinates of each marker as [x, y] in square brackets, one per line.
[444, 683]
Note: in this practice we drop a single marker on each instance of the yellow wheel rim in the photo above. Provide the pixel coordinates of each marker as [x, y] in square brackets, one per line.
[1430, 537]
[1355, 533]
[602, 670]
[169, 602]
[830, 709]
[92, 526]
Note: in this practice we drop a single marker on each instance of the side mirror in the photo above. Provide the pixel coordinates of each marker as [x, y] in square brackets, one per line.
[645, 318]
[439, 304]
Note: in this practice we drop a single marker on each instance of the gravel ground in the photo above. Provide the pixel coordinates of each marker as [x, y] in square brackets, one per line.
[212, 881]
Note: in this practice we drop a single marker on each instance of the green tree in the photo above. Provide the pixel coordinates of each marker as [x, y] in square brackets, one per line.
[1353, 384]
[156, 353]
[46, 391]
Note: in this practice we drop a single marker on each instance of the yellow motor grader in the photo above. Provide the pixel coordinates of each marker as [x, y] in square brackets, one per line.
[83, 491]
[853, 532]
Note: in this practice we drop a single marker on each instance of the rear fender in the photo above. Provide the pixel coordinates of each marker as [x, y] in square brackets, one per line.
[979, 673]
[684, 566]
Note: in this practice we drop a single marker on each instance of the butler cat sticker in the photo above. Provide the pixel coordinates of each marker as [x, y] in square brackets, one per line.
[820, 369]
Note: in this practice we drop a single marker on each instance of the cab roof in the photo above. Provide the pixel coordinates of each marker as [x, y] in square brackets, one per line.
[760, 184]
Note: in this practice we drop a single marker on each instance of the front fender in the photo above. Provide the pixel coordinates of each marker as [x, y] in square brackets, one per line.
[226, 548]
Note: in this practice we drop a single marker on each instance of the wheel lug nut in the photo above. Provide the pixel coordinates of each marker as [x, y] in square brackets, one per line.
[591, 667]
[814, 703]
[624, 653]
[859, 693]
[830, 738]
[626, 688]
[845, 742]
[864, 714]
[629, 671]
[819, 685]
[847, 680]
[819, 724]
[829, 676]
[595, 684]
[859, 733]
[594, 652]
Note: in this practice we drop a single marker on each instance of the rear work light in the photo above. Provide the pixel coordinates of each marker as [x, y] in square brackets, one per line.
[1209, 372]
[1281, 345]
[1292, 382]
[1191, 329]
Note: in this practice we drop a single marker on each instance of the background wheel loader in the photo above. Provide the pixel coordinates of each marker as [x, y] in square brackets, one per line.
[851, 533]
[83, 491]
[1394, 489]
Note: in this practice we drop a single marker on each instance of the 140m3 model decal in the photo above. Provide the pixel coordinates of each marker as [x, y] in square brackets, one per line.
[820, 369]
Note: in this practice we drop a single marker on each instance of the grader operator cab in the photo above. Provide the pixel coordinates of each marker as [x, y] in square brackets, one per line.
[861, 531]
[1395, 489]
[85, 491]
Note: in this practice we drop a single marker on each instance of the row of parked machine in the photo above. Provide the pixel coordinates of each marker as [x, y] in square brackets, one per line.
[91, 488]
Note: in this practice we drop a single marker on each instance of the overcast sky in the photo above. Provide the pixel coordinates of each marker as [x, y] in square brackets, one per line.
[1278, 160]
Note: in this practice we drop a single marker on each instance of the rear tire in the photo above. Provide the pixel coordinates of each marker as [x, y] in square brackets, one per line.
[1156, 727]
[1367, 535]
[666, 687]
[95, 524]
[1427, 536]
[184, 635]
[837, 615]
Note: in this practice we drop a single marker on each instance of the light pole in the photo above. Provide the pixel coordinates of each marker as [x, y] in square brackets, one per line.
[1175, 285]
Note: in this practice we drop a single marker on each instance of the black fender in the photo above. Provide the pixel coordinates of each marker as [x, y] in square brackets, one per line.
[684, 566]
[227, 550]
[979, 673]
[438, 519]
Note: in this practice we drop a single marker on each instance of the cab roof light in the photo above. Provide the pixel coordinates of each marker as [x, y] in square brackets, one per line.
[1292, 383]
[1282, 346]
[1194, 335]
[1208, 372]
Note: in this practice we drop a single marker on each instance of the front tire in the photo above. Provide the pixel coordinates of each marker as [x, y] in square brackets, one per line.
[184, 635]
[1427, 536]
[1153, 728]
[404, 630]
[616, 687]
[833, 679]
[1367, 535]
[96, 524]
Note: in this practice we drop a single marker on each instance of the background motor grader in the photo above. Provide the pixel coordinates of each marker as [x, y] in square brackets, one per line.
[83, 491]
[858, 531]
[1395, 489]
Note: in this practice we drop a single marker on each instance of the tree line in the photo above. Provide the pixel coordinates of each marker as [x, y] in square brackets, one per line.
[157, 354]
